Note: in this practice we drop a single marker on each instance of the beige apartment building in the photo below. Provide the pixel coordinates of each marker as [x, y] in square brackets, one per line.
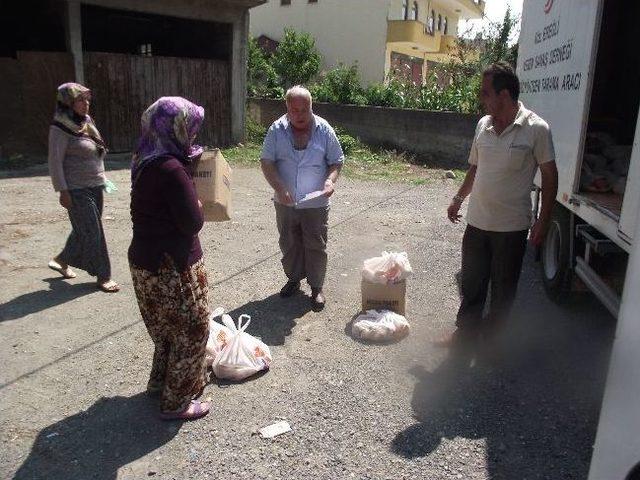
[408, 36]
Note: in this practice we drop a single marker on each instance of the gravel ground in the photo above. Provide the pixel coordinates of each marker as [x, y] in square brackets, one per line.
[75, 361]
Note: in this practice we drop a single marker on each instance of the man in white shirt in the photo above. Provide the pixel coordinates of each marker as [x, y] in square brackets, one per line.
[509, 145]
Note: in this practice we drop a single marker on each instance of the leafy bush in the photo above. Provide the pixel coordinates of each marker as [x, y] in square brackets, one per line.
[452, 97]
[255, 132]
[397, 92]
[348, 143]
[376, 94]
[340, 85]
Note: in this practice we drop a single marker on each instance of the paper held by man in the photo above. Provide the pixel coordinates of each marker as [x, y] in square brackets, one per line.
[310, 196]
[213, 183]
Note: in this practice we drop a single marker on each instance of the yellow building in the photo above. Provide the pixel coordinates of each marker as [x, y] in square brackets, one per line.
[408, 36]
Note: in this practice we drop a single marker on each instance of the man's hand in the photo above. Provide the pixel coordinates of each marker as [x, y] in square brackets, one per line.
[453, 211]
[281, 194]
[284, 197]
[538, 232]
[328, 187]
[549, 174]
[65, 199]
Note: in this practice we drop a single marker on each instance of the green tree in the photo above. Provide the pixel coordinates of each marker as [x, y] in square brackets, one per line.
[296, 60]
[459, 80]
[262, 79]
[497, 43]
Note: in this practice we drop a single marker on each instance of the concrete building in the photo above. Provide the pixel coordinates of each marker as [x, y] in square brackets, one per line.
[408, 36]
[129, 52]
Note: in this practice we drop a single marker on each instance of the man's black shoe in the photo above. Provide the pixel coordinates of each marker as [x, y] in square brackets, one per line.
[289, 289]
[317, 300]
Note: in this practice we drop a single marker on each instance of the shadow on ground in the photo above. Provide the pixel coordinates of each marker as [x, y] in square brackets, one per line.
[273, 318]
[95, 443]
[537, 409]
[59, 292]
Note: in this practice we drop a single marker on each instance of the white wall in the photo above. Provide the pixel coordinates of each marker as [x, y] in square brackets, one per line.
[395, 10]
[345, 30]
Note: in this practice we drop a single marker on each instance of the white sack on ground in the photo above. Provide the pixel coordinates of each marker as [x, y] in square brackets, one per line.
[391, 267]
[382, 325]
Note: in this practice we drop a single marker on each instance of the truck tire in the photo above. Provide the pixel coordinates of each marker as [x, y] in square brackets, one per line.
[556, 264]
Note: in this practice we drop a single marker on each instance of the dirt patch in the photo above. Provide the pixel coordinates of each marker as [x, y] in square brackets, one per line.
[75, 361]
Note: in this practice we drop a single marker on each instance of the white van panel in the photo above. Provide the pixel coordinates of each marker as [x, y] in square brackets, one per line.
[631, 202]
[617, 445]
[556, 59]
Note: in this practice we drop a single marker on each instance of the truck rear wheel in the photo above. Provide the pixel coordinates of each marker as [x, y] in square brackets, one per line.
[556, 261]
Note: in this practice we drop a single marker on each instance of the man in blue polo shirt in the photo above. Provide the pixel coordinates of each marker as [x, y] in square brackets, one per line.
[301, 159]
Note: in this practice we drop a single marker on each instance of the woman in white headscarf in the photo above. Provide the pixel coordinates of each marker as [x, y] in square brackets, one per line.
[76, 165]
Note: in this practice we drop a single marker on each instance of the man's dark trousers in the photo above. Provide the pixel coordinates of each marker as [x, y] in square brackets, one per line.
[490, 260]
[303, 242]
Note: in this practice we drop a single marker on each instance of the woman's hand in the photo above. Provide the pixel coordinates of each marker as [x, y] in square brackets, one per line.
[65, 199]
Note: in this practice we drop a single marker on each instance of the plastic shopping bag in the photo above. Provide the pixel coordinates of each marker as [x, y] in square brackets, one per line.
[219, 336]
[391, 267]
[243, 355]
[380, 325]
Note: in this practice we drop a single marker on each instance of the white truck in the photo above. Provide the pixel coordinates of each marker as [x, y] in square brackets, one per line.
[579, 69]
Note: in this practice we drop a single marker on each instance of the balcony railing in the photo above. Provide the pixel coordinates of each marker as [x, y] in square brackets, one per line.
[414, 33]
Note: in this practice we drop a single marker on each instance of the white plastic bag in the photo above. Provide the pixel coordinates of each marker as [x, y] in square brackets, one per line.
[391, 267]
[380, 325]
[243, 355]
[219, 336]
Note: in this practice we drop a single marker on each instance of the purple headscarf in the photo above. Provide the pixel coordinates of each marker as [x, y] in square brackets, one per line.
[169, 127]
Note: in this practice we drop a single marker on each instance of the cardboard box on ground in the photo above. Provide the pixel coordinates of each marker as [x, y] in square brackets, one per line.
[377, 296]
[213, 184]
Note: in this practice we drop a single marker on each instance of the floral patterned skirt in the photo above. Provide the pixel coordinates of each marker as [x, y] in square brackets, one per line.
[175, 310]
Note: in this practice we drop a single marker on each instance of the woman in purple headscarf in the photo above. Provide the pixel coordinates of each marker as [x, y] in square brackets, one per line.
[76, 165]
[165, 256]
